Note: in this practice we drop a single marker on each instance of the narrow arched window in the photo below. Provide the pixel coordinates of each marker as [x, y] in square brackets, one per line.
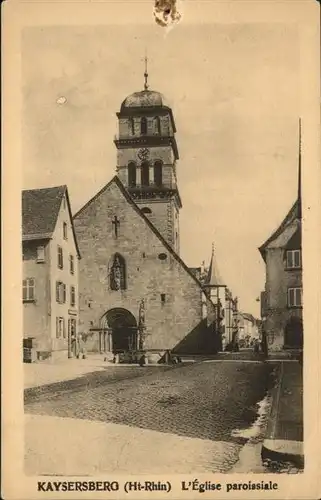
[131, 126]
[145, 173]
[158, 173]
[131, 174]
[156, 125]
[117, 273]
[143, 125]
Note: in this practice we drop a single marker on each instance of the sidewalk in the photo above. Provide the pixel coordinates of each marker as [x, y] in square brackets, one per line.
[69, 446]
[43, 373]
[284, 434]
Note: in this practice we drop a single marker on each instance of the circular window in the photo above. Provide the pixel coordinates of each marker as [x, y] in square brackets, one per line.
[162, 256]
[146, 210]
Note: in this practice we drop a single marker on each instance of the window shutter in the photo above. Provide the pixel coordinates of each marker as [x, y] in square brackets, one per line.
[57, 328]
[298, 298]
[291, 297]
[289, 258]
[64, 293]
[31, 289]
[57, 291]
[63, 328]
[297, 259]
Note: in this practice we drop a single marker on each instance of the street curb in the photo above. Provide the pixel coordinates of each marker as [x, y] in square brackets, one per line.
[272, 451]
[277, 450]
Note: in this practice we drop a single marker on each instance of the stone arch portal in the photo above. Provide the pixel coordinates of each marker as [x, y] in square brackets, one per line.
[119, 331]
[293, 334]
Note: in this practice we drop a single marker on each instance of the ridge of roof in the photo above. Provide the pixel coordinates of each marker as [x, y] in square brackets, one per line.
[292, 214]
[130, 200]
[40, 210]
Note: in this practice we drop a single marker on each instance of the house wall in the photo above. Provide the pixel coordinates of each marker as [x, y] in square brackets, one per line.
[277, 312]
[147, 276]
[64, 275]
[36, 314]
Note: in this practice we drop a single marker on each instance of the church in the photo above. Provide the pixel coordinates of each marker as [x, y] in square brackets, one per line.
[135, 292]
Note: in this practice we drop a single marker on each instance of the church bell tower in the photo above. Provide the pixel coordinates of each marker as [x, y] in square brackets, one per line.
[146, 159]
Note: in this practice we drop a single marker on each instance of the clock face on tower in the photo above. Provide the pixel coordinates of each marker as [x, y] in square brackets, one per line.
[143, 154]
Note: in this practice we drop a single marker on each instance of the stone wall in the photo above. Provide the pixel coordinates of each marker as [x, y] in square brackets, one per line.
[173, 298]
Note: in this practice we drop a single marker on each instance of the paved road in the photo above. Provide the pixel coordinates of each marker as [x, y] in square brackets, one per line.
[203, 401]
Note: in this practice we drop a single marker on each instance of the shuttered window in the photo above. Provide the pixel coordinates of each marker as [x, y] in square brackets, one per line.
[294, 297]
[28, 290]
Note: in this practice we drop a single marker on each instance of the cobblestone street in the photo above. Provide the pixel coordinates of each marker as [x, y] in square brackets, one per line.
[193, 406]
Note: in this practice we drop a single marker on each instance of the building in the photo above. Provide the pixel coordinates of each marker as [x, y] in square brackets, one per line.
[50, 272]
[136, 293]
[222, 298]
[281, 301]
[249, 329]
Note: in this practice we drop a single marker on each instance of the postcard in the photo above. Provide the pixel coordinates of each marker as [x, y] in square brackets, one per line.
[161, 278]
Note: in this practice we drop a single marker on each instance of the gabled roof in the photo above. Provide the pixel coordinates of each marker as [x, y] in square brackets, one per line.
[213, 277]
[249, 317]
[40, 210]
[293, 215]
[130, 200]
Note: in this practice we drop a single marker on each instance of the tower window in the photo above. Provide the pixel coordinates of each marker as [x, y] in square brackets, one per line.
[156, 125]
[163, 298]
[131, 126]
[145, 173]
[143, 125]
[158, 173]
[146, 210]
[131, 174]
[162, 256]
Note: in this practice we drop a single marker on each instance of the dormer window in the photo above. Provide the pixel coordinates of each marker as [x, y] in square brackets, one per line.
[293, 259]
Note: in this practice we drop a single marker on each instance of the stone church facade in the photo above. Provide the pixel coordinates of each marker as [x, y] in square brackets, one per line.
[135, 291]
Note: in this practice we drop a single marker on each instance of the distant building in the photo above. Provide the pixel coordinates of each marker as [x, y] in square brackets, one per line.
[222, 298]
[249, 328]
[50, 272]
[281, 301]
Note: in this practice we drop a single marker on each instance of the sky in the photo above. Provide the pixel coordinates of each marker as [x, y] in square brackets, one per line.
[234, 91]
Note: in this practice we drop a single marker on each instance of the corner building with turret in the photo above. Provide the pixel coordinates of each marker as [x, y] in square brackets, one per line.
[136, 293]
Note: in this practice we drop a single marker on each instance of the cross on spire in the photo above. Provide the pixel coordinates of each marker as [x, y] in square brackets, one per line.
[116, 223]
[146, 74]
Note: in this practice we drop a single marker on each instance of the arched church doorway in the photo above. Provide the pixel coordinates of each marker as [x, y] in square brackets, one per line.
[293, 333]
[122, 328]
